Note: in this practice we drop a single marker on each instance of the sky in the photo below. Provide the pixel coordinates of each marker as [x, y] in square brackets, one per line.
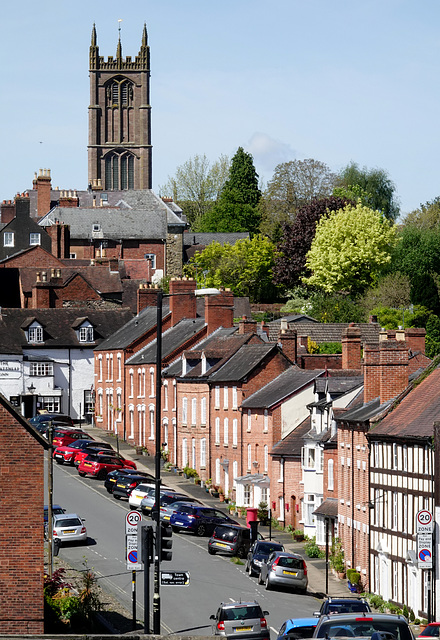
[333, 80]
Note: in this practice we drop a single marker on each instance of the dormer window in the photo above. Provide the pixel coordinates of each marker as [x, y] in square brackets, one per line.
[35, 333]
[34, 239]
[86, 334]
[96, 228]
[8, 239]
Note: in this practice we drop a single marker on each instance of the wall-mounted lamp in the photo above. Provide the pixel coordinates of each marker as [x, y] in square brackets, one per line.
[31, 388]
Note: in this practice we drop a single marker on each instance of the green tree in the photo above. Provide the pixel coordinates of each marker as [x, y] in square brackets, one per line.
[374, 182]
[334, 307]
[427, 216]
[196, 186]
[350, 248]
[392, 290]
[293, 185]
[245, 267]
[236, 208]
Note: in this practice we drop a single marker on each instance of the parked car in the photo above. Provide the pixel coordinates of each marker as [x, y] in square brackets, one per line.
[432, 630]
[125, 484]
[47, 417]
[260, 551]
[198, 519]
[69, 527]
[232, 540]
[149, 499]
[167, 502]
[342, 605]
[377, 626]
[143, 490]
[297, 628]
[66, 454]
[99, 464]
[283, 569]
[94, 447]
[65, 435]
[56, 511]
[112, 477]
[240, 619]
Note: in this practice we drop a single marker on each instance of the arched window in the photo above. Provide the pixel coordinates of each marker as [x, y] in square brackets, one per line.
[119, 171]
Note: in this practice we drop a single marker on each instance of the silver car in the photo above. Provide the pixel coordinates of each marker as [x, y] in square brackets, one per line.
[282, 569]
[241, 619]
[69, 527]
[377, 626]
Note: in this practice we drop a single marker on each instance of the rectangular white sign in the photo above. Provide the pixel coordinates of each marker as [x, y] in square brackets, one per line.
[424, 550]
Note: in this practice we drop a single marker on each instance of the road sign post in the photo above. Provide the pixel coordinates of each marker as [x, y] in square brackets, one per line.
[424, 529]
[132, 519]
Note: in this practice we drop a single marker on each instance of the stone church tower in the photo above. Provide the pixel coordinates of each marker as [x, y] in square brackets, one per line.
[119, 149]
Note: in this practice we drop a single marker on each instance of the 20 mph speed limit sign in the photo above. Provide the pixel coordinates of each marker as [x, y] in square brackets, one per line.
[132, 520]
[424, 522]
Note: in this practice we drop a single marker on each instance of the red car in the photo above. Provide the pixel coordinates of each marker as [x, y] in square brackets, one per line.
[94, 447]
[66, 435]
[66, 455]
[99, 465]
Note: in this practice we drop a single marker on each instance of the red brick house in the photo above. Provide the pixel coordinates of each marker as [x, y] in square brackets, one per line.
[21, 554]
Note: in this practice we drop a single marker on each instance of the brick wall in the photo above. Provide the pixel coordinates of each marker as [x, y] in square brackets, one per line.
[21, 531]
[319, 361]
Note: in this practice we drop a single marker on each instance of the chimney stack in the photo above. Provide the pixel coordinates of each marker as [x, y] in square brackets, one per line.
[42, 183]
[287, 339]
[385, 369]
[146, 297]
[219, 310]
[351, 347]
[183, 303]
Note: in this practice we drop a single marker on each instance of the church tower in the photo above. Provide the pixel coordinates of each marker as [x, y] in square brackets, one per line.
[119, 149]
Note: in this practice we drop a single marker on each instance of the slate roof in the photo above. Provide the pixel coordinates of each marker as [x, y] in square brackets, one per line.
[291, 445]
[58, 327]
[243, 362]
[172, 339]
[327, 332]
[281, 387]
[100, 278]
[365, 412]
[328, 508]
[415, 414]
[338, 385]
[133, 329]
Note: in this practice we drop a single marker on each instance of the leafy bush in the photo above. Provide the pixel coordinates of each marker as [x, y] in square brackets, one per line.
[312, 550]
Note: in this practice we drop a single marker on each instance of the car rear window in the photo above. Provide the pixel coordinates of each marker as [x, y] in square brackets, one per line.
[226, 533]
[348, 607]
[301, 632]
[241, 613]
[290, 563]
[68, 522]
[366, 628]
[186, 509]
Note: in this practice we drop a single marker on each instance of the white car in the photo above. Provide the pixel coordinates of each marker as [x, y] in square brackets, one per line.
[141, 491]
[69, 527]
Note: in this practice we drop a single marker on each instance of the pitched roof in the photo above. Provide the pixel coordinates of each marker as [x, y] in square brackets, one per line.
[365, 412]
[291, 445]
[172, 339]
[328, 508]
[100, 278]
[58, 326]
[327, 332]
[338, 385]
[283, 386]
[243, 362]
[415, 414]
[133, 329]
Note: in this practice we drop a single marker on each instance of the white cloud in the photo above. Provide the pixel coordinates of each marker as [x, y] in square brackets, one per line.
[268, 152]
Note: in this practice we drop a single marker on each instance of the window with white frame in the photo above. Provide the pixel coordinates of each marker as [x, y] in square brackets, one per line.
[264, 495]
[234, 471]
[330, 475]
[249, 456]
[34, 239]
[131, 376]
[266, 421]
[281, 476]
[119, 367]
[51, 404]
[184, 452]
[281, 505]
[395, 510]
[247, 495]
[308, 457]
[100, 368]
[193, 453]
[225, 431]
[119, 404]
[395, 456]
[109, 372]
[217, 397]
[266, 458]
[194, 411]
[86, 334]
[405, 457]
[203, 411]
[249, 420]
[225, 397]
[234, 397]
[319, 460]
[234, 432]
[8, 239]
[152, 389]
[89, 402]
[41, 369]
[405, 513]
[165, 395]
[165, 434]
[309, 508]
[152, 422]
[100, 404]
[35, 333]
[203, 452]
[131, 420]
[174, 395]
[217, 471]
[395, 581]
[152, 257]
[217, 431]
[185, 410]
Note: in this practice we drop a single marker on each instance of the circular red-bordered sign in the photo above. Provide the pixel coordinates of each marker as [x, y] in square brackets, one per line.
[424, 517]
[133, 518]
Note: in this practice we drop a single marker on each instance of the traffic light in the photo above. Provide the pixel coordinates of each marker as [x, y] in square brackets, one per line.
[145, 542]
[166, 543]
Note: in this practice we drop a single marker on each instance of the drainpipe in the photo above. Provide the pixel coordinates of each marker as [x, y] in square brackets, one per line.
[353, 556]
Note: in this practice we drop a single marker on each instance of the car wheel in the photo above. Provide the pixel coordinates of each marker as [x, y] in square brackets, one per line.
[268, 585]
[101, 475]
[81, 473]
[241, 552]
[109, 490]
[211, 551]
[201, 529]
[116, 497]
[175, 529]
[260, 579]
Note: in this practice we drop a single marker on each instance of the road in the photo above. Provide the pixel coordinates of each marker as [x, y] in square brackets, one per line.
[213, 579]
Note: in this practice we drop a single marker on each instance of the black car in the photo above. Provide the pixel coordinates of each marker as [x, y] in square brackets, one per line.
[55, 417]
[113, 476]
[198, 519]
[232, 540]
[342, 605]
[258, 553]
[125, 483]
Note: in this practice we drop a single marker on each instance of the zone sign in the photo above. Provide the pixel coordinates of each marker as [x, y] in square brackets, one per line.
[424, 522]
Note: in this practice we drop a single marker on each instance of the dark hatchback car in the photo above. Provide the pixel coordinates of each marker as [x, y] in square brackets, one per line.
[199, 520]
[113, 476]
[125, 484]
[232, 540]
[47, 417]
[259, 553]
[343, 605]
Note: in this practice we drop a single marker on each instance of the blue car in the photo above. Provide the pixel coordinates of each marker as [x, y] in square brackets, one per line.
[56, 511]
[297, 628]
[198, 519]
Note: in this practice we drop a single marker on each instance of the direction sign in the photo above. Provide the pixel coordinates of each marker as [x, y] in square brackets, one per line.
[174, 578]
[424, 522]
[132, 520]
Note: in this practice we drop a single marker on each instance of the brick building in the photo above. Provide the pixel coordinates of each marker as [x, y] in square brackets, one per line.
[21, 555]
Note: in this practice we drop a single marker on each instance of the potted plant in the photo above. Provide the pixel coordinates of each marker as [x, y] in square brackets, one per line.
[221, 494]
[298, 535]
[354, 581]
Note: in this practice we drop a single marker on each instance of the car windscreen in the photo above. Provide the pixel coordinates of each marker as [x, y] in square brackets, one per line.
[364, 627]
[241, 613]
[431, 631]
[68, 522]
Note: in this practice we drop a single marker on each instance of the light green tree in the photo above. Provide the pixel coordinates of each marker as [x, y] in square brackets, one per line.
[244, 267]
[350, 248]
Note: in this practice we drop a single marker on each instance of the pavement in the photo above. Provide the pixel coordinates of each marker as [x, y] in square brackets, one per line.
[316, 566]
